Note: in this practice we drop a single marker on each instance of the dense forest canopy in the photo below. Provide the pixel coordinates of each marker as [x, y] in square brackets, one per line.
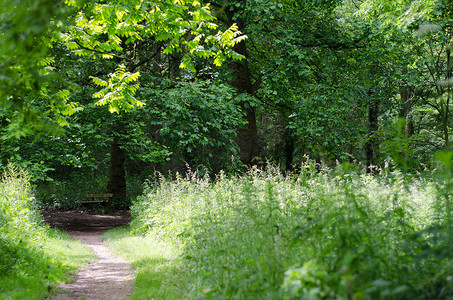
[109, 88]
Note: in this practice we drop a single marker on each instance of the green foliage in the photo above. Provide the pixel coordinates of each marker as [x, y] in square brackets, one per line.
[118, 93]
[33, 258]
[320, 235]
[197, 119]
[328, 131]
[401, 13]
[47, 157]
[107, 31]
[35, 94]
[17, 213]
[32, 95]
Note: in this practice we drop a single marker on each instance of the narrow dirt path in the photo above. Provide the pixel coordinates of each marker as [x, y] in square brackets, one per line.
[109, 277]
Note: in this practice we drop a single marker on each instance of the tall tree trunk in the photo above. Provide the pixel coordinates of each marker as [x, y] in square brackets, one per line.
[117, 174]
[371, 145]
[405, 109]
[447, 105]
[289, 149]
[247, 137]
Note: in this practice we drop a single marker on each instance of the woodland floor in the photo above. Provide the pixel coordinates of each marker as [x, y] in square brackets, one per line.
[108, 277]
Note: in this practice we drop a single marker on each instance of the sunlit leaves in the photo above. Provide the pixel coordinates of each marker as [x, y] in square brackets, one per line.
[163, 36]
[187, 63]
[100, 82]
[401, 12]
[106, 30]
[218, 46]
[118, 93]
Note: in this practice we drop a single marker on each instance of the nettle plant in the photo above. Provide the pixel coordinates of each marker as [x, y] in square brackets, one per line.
[323, 234]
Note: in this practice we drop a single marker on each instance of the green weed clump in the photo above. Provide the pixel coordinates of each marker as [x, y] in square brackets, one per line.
[33, 258]
[318, 235]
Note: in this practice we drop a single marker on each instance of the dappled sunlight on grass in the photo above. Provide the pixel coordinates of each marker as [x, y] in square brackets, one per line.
[159, 273]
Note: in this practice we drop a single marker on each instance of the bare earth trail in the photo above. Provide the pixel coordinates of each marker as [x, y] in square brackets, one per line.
[109, 277]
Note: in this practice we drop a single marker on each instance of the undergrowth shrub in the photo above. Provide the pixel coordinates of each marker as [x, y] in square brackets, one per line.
[18, 220]
[33, 258]
[319, 235]
[67, 193]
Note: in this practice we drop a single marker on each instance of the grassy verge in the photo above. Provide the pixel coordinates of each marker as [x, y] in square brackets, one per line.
[34, 259]
[159, 273]
[333, 234]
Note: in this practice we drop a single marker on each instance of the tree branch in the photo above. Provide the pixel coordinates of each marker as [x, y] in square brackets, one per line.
[141, 63]
[98, 51]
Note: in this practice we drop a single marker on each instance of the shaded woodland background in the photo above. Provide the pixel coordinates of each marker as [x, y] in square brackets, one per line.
[98, 96]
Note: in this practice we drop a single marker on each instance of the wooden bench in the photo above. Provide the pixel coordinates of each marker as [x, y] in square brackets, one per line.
[97, 198]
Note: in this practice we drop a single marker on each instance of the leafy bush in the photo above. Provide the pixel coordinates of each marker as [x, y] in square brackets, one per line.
[33, 258]
[319, 235]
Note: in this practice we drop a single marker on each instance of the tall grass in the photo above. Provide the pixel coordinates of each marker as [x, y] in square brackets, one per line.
[159, 272]
[318, 235]
[33, 258]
